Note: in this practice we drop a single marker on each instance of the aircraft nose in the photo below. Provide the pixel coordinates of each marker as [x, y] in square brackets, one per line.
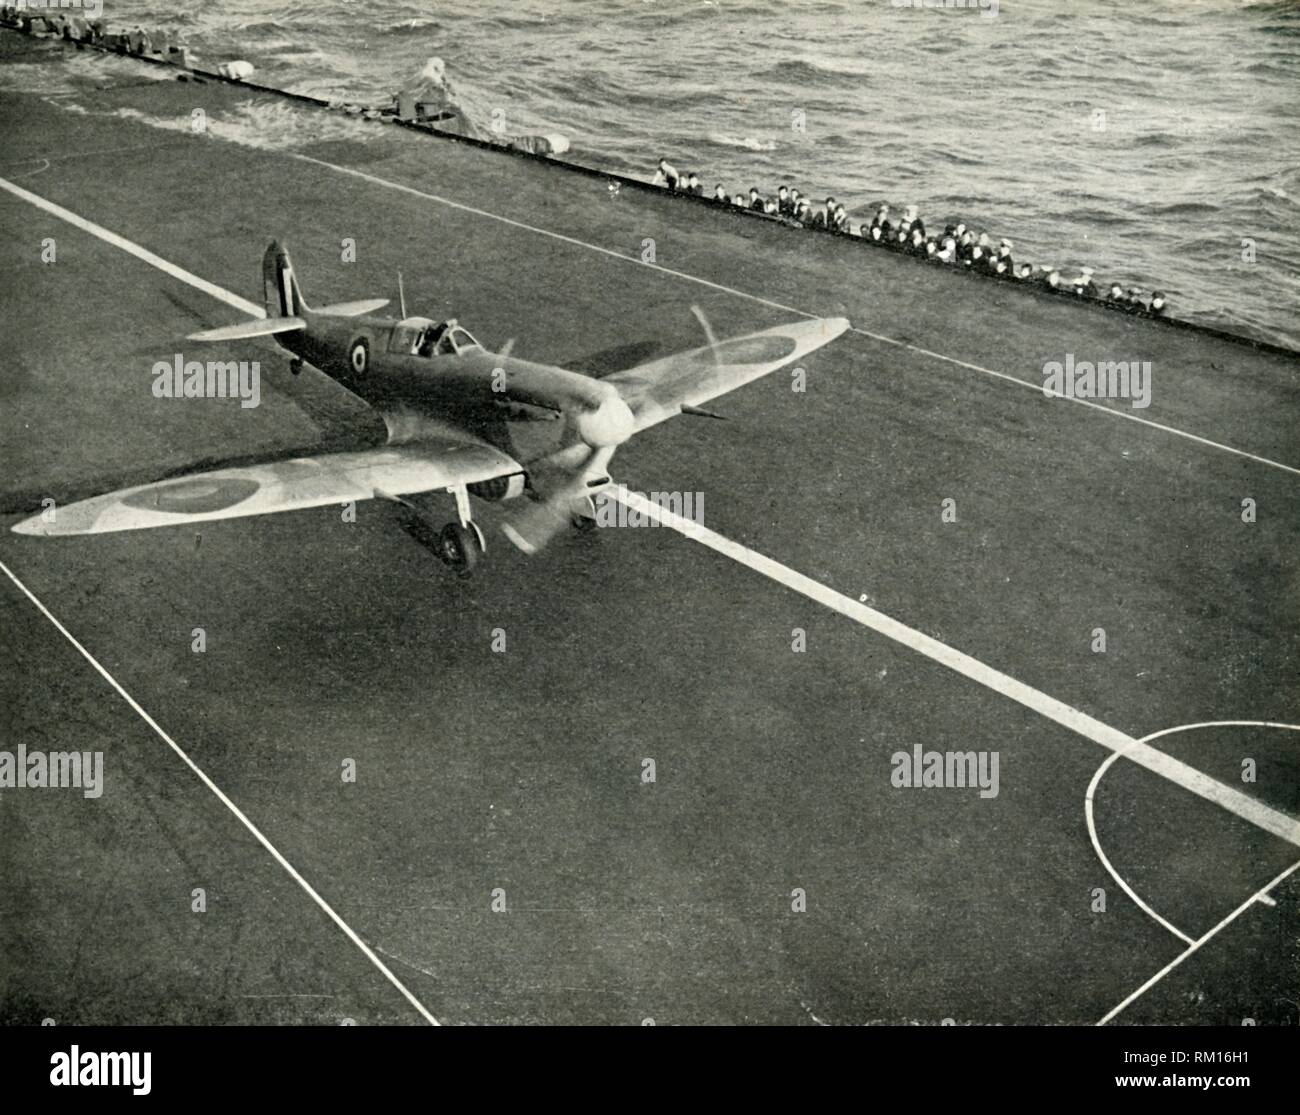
[611, 423]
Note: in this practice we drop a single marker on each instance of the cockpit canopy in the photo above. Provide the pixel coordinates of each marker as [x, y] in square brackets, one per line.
[421, 336]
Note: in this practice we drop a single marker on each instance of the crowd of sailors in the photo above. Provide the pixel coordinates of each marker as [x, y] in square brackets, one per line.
[957, 246]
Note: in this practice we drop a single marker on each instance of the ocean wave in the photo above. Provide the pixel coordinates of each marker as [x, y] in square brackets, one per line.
[1184, 209]
[71, 73]
[748, 143]
[285, 46]
[800, 74]
[1286, 30]
[1273, 67]
[266, 126]
[305, 56]
[1155, 139]
[408, 26]
[261, 25]
[549, 21]
[835, 141]
[587, 90]
[887, 113]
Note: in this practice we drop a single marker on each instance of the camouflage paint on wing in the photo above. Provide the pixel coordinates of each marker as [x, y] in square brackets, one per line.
[658, 390]
[278, 486]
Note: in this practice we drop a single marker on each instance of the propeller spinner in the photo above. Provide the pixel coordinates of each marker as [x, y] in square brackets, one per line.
[601, 430]
[601, 423]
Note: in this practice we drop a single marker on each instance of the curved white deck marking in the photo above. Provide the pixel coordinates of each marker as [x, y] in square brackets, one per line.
[1258, 896]
[238, 813]
[45, 165]
[1221, 724]
[1105, 862]
[49, 159]
[1261, 896]
[1138, 751]
[1114, 412]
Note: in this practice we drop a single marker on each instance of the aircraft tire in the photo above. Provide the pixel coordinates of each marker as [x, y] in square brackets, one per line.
[583, 517]
[460, 547]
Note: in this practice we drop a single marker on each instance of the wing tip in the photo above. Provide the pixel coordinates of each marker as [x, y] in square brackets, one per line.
[33, 526]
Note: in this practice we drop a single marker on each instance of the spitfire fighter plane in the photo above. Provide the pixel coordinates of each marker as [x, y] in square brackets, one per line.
[453, 412]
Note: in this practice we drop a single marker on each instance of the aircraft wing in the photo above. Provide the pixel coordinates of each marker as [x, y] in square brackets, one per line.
[353, 309]
[287, 485]
[658, 390]
[267, 326]
[254, 327]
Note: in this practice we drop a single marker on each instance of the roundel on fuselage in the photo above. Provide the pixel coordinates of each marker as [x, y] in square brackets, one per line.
[359, 355]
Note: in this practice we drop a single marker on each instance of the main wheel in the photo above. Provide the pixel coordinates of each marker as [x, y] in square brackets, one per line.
[583, 514]
[460, 546]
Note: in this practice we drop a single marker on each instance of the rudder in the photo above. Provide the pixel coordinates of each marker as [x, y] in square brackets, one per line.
[280, 284]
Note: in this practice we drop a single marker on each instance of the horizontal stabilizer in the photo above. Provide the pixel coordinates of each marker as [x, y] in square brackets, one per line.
[353, 309]
[258, 327]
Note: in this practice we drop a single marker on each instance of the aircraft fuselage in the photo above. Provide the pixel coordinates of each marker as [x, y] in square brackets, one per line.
[370, 356]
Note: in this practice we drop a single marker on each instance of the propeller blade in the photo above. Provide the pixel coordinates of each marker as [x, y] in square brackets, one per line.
[534, 525]
[708, 331]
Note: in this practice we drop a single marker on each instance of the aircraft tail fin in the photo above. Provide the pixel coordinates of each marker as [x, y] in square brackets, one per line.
[283, 297]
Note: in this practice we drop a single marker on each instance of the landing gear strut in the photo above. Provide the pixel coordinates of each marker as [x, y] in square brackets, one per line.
[461, 544]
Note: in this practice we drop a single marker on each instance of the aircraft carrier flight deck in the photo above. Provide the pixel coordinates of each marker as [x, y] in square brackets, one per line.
[646, 773]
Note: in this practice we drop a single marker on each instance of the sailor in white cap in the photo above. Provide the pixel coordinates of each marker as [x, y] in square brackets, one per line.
[666, 175]
[1084, 287]
[1004, 256]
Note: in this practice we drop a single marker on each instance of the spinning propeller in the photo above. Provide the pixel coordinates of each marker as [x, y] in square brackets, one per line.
[579, 470]
[600, 423]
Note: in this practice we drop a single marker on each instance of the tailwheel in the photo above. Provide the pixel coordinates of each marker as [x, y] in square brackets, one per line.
[295, 365]
[583, 514]
[460, 546]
